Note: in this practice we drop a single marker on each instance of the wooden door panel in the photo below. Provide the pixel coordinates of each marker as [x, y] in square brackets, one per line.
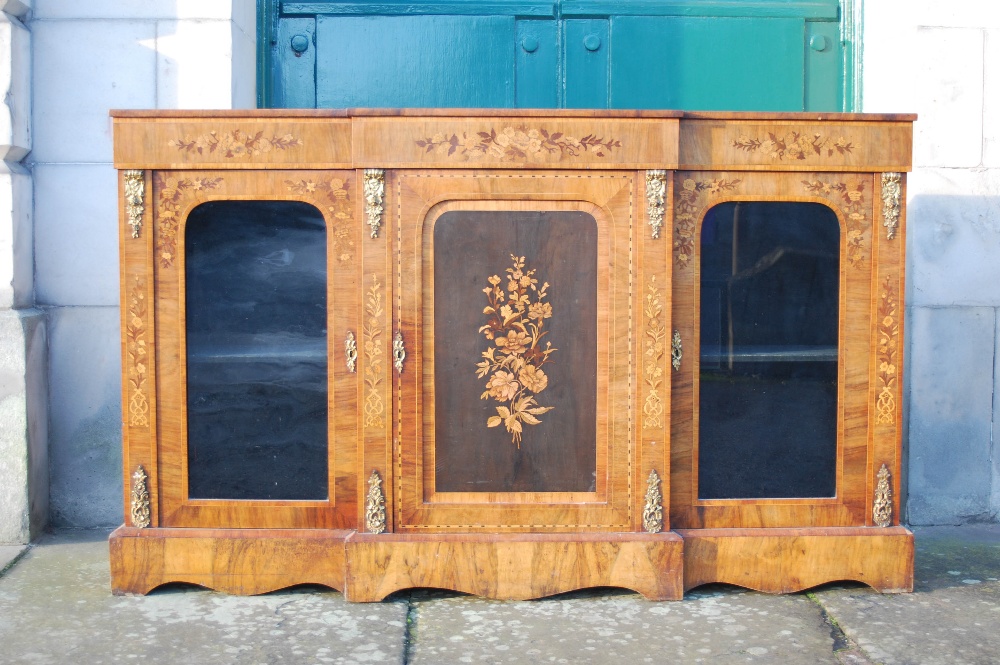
[772, 55]
[531, 362]
[224, 498]
[511, 488]
[850, 197]
[707, 63]
[415, 61]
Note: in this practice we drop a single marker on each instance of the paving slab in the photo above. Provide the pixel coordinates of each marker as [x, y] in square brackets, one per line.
[712, 625]
[952, 617]
[8, 553]
[56, 607]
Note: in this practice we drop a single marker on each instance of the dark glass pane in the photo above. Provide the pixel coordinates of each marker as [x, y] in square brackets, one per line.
[550, 391]
[770, 275]
[256, 351]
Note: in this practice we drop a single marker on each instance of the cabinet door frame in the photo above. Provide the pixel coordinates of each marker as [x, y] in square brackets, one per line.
[174, 195]
[851, 196]
[419, 199]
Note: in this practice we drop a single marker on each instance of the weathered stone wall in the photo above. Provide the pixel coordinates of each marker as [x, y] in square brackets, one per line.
[90, 57]
[938, 59]
[23, 450]
[942, 61]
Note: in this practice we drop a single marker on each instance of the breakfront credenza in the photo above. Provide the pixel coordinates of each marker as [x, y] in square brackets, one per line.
[511, 353]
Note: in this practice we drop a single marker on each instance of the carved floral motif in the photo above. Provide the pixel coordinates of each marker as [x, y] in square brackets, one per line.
[337, 192]
[375, 505]
[172, 197]
[234, 144]
[656, 190]
[688, 207]
[139, 500]
[888, 333]
[135, 350]
[515, 361]
[794, 145]
[654, 350]
[374, 184]
[891, 193]
[135, 199]
[516, 144]
[652, 511]
[372, 332]
[856, 209]
[882, 504]
[351, 352]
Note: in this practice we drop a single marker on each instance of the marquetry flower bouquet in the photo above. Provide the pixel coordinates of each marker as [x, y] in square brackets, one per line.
[515, 323]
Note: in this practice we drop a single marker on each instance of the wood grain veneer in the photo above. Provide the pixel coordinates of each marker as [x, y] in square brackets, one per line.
[506, 543]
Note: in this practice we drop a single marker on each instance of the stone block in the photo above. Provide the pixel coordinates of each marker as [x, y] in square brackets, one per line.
[949, 99]
[941, 14]
[991, 103]
[194, 64]
[23, 451]
[244, 16]
[953, 237]
[82, 69]
[76, 234]
[949, 379]
[16, 252]
[995, 452]
[244, 95]
[85, 423]
[15, 86]
[18, 8]
[133, 9]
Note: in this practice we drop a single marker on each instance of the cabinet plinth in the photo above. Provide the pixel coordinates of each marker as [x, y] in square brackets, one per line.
[510, 353]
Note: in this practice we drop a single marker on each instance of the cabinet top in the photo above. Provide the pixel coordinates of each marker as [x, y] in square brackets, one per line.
[511, 139]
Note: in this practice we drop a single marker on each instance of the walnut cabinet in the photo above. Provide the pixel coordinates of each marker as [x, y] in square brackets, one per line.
[511, 353]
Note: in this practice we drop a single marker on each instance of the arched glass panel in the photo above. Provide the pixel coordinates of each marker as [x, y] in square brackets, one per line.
[770, 276]
[256, 351]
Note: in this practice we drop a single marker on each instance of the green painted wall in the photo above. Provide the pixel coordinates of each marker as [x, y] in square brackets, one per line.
[762, 55]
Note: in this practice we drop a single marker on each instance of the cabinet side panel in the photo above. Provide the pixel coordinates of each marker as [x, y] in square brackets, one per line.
[138, 348]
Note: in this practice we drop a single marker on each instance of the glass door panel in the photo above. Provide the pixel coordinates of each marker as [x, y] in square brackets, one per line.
[256, 351]
[770, 294]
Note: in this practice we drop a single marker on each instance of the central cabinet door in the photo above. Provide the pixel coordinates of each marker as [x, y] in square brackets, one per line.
[515, 306]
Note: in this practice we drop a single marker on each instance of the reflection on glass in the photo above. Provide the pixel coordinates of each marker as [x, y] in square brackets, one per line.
[256, 351]
[769, 327]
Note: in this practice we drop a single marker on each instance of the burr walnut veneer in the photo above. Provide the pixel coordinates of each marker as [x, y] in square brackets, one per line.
[511, 353]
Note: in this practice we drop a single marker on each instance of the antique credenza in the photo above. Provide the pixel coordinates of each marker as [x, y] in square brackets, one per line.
[511, 353]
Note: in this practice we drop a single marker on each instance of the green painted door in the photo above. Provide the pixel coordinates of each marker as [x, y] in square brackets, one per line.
[761, 55]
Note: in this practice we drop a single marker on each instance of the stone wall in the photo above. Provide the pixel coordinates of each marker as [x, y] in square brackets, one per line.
[59, 340]
[941, 60]
[24, 487]
[90, 57]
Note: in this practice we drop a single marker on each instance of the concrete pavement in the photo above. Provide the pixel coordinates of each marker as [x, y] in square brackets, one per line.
[56, 607]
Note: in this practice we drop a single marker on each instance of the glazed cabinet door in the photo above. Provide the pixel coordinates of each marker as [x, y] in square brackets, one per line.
[773, 285]
[255, 296]
[519, 299]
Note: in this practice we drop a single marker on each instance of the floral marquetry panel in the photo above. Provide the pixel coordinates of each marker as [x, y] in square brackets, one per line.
[522, 357]
[785, 145]
[225, 143]
[522, 415]
[503, 142]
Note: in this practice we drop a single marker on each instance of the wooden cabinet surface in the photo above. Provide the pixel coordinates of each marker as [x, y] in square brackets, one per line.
[512, 353]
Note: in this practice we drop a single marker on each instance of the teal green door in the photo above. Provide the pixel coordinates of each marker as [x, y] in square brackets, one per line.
[765, 55]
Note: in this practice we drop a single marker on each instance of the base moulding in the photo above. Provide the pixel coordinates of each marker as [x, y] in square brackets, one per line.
[369, 567]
